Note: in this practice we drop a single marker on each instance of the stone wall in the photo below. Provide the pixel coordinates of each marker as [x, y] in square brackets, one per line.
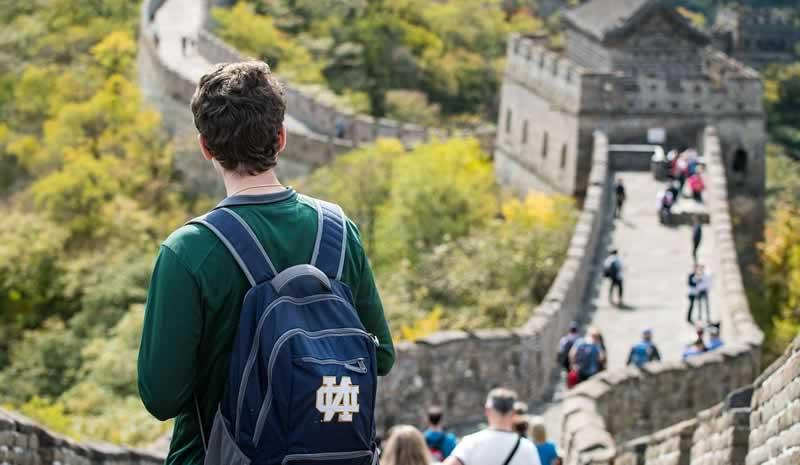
[323, 117]
[456, 369]
[758, 424]
[23, 442]
[775, 417]
[662, 394]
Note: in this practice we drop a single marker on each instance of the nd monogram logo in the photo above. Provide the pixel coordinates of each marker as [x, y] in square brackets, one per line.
[333, 399]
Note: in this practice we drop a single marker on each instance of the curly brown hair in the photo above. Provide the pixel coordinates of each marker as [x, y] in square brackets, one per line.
[238, 109]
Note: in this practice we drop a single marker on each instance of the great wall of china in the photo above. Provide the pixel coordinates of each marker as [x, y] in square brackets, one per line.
[718, 408]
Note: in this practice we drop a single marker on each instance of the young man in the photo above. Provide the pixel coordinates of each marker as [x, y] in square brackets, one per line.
[714, 340]
[612, 268]
[440, 443]
[498, 444]
[197, 287]
[645, 351]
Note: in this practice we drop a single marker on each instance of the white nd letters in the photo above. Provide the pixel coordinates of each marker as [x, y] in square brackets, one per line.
[341, 399]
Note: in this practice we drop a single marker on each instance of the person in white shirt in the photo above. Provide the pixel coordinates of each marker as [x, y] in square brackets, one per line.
[498, 444]
[703, 289]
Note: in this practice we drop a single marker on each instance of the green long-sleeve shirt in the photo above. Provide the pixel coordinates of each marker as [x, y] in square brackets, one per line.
[193, 307]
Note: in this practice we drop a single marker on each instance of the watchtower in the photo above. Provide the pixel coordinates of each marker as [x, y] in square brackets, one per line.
[757, 36]
[627, 66]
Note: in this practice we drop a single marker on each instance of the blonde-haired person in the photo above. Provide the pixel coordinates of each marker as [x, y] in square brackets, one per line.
[405, 446]
[546, 449]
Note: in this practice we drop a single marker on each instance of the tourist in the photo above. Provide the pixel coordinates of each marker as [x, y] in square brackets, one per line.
[565, 345]
[498, 444]
[697, 235]
[644, 351]
[546, 449]
[521, 424]
[587, 355]
[681, 171]
[405, 446]
[665, 202]
[703, 289]
[714, 340]
[696, 348]
[197, 288]
[440, 443]
[613, 270]
[672, 188]
[697, 185]
[693, 280]
[619, 197]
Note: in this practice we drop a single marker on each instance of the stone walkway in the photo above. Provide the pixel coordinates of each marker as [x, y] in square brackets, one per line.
[184, 18]
[657, 260]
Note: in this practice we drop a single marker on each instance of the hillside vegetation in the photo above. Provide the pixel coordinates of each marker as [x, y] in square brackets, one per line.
[89, 190]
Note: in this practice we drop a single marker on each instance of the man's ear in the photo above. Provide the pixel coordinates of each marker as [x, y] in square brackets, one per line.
[282, 136]
[203, 148]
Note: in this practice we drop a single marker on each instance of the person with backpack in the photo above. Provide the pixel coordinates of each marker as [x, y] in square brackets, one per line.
[612, 269]
[264, 332]
[565, 345]
[644, 351]
[498, 444]
[588, 356]
[440, 443]
[665, 202]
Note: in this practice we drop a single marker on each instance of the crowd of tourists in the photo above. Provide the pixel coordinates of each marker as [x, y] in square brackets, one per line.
[512, 437]
[684, 170]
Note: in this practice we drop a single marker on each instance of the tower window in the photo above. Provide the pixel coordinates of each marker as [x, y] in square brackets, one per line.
[563, 156]
[508, 121]
[739, 161]
[544, 144]
[525, 132]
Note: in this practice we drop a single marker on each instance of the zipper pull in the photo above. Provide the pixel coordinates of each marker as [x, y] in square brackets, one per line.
[375, 340]
[361, 368]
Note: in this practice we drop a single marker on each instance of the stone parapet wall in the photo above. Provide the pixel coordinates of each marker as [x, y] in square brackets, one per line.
[723, 430]
[775, 418]
[311, 107]
[23, 442]
[620, 405]
[758, 424]
[456, 369]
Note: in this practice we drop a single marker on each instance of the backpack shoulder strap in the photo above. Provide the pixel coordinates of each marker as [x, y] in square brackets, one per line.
[513, 451]
[331, 244]
[241, 242]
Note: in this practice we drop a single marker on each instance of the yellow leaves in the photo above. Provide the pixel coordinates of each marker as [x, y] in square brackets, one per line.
[697, 19]
[424, 326]
[115, 53]
[539, 209]
[51, 414]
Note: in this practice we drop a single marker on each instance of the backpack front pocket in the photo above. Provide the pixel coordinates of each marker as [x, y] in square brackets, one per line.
[332, 401]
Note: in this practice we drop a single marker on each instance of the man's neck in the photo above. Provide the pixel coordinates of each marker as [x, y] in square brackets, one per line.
[262, 183]
[502, 424]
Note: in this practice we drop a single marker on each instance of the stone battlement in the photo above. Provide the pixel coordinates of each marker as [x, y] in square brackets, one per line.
[24, 442]
[727, 87]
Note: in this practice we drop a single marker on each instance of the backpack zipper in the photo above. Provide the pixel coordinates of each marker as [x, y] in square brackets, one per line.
[267, 404]
[357, 364]
[251, 358]
[327, 456]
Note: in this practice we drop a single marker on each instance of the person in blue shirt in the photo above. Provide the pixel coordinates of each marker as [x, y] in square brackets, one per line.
[440, 443]
[644, 351]
[714, 341]
[546, 449]
[697, 348]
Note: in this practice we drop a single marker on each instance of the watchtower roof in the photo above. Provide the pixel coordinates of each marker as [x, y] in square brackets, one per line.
[610, 19]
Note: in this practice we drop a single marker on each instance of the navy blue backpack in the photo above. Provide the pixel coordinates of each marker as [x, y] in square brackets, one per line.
[302, 381]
